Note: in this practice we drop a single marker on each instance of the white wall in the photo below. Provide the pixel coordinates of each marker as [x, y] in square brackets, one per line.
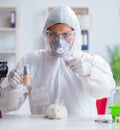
[105, 22]
[32, 14]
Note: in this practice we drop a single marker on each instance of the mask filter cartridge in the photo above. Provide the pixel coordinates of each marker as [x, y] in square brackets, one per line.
[60, 47]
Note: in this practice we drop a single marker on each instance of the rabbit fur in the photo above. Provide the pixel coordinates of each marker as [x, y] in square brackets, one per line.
[56, 111]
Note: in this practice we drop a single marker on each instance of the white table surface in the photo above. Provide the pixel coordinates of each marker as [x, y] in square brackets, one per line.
[37, 122]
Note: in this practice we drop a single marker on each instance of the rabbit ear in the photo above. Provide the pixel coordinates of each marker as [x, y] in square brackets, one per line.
[62, 102]
[56, 101]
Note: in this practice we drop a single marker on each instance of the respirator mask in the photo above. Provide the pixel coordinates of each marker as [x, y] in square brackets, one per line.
[60, 47]
[60, 42]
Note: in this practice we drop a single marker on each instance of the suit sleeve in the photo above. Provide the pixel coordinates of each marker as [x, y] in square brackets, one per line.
[100, 83]
[12, 99]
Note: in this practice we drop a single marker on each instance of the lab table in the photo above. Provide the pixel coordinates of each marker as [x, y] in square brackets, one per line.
[38, 122]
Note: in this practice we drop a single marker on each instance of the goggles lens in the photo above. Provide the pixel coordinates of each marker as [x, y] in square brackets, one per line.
[52, 35]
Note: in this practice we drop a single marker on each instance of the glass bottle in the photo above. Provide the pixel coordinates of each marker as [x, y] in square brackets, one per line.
[117, 122]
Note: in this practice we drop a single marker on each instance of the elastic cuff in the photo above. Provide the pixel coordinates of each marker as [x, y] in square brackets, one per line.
[90, 69]
[11, 87]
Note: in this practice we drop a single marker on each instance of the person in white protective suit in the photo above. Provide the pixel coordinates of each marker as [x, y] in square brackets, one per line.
[62, 71]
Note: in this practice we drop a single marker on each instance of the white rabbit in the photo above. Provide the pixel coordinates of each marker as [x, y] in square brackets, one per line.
[56, 111]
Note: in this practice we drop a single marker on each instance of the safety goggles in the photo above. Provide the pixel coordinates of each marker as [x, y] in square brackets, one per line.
[52, 35]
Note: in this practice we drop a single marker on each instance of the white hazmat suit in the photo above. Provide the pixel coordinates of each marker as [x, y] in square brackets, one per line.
[79, 82]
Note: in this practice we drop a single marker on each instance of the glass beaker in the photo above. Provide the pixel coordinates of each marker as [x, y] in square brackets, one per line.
[117, 96]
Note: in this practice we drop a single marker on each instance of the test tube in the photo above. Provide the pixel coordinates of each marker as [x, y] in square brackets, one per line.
[27, 76]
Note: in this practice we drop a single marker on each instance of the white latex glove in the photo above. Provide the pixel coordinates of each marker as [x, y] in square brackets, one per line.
[77, 66]
[15, 78]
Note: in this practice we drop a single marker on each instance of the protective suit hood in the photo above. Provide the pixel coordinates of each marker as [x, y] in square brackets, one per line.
[62, 15]
[65, 15]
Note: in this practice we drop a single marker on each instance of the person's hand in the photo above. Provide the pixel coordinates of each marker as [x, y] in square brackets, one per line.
[78, 66]
[15, 78]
